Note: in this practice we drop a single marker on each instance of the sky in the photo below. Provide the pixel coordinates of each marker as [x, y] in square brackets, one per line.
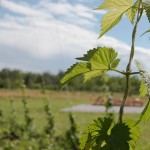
[47, 35]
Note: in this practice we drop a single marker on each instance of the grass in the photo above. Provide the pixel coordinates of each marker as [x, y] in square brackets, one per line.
[58, 101]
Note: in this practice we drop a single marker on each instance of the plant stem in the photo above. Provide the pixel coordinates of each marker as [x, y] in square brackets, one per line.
[128, 69]
[125, 73]
[121, 72]
[132, 73]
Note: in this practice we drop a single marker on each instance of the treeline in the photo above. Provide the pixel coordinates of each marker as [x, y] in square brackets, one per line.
[13, 79]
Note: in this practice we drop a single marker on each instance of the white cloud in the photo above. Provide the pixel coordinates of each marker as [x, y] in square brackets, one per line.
[22, 9]
[43, 35]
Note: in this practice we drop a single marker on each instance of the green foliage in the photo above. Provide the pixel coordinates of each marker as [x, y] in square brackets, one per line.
[116, 9]
[144, 75]
[14, 135]
[75, 70]
[146, 5]
[145, 115]
[103, 134]
[95, 134]
[49, 129]
[28, 119]
[72, 135]
[47, 81]
[98, 62]
[146, 32]
[143, 89]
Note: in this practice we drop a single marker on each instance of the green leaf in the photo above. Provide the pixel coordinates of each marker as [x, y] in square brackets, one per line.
[114, 4]
[95, 134]
[146, 5]
[109, 20]
[146, 32]
[93, 74]
[89, 55]
[98, 61]
[124, 136]
[105, 135]
[115, 63]
[104, 58]
[143, 89]
[116, 9]
[148, 13]
[145, 115]
[130, 13]
[145, 76]
[135, 132]
[75, 70]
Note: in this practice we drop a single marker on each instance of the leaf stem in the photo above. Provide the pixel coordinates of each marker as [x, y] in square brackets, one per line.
[128, 69]
[125, 73]
[121, 72]
[132, 73]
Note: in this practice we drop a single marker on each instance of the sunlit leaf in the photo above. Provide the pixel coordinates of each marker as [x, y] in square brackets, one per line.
[143, 89]
[95, 134]
[103, 58]
[93, 74]
[146, 5]
[105, 135]
[145, 115]
[75, 70]
[116, 9]
[96, 62]
[109, 20]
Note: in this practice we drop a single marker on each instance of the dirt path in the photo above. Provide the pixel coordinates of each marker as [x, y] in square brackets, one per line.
[97, 108]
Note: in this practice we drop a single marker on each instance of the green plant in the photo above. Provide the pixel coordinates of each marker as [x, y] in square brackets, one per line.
[104, 133]
[28, 126]
[23, 88]
[49, 129]
[72, 134]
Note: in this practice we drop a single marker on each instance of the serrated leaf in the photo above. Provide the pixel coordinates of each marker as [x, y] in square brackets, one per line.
[148, 13]
[95, 134]
[143, 89]
[93, 74]
[130, 13]
[115, 63]
[135, 132]
[109, 20]
[103, 59]
[146, 5]
[119, 137]
[105, 135]
[146, 32]
[89, 55]
[116, 10]
[124, 136]
[98, 61]
[145, 76]
[145, 115]
[75, 70]
[114, 4]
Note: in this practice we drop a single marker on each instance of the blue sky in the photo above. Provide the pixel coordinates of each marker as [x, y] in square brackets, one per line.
[47, 35]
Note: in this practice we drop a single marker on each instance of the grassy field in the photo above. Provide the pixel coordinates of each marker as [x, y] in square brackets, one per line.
[58, 101]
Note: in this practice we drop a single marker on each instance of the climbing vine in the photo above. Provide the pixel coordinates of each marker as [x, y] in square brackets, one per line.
[105, 133]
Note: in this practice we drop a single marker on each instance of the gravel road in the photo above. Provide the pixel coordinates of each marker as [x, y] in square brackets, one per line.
[97, 108]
